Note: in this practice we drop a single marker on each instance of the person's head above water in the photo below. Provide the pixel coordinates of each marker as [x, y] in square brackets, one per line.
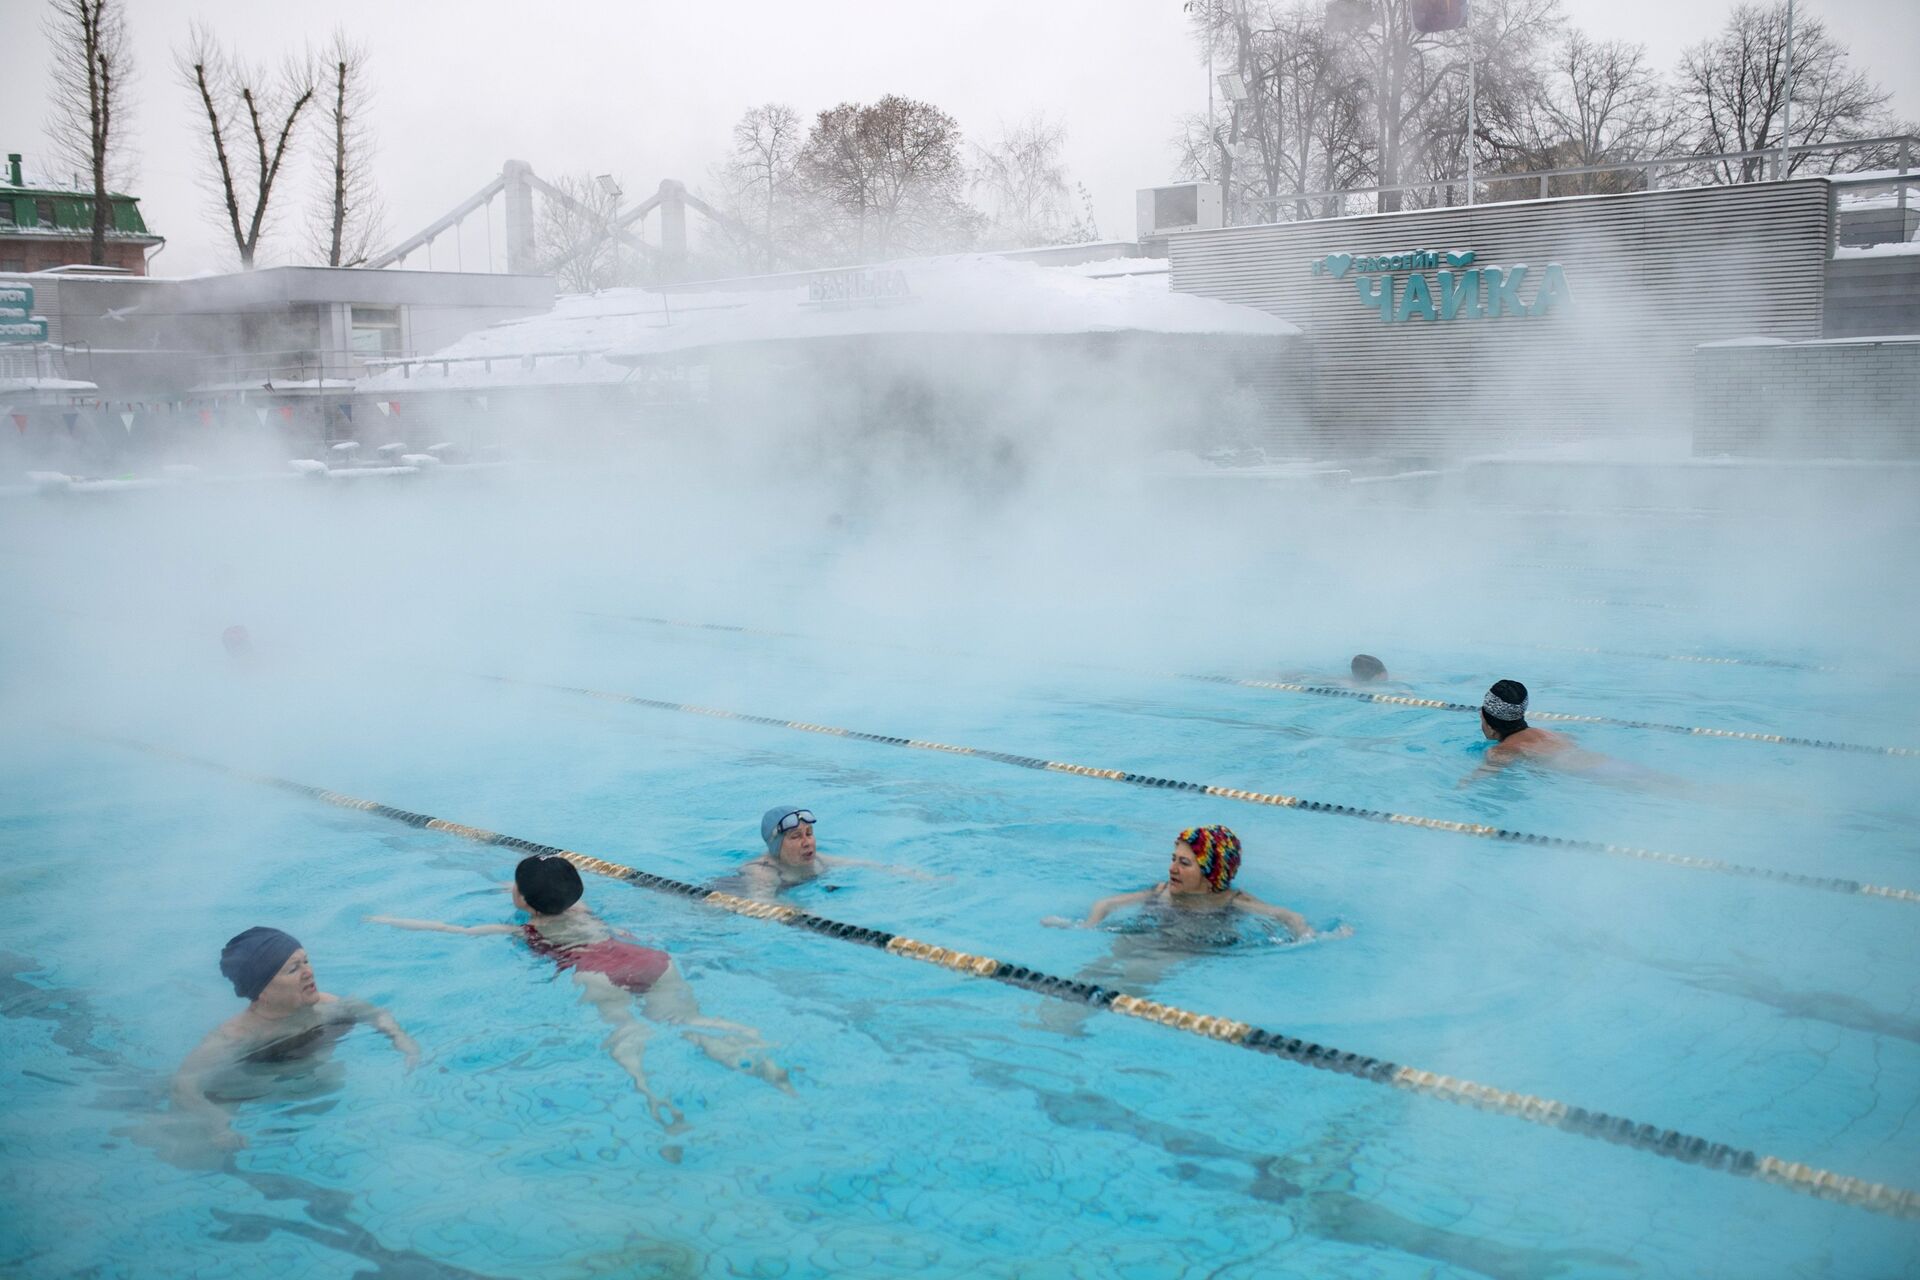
[1367, 668]
[252, 959]
[1205, 860]
[547, 884]
[788, 832]
[1503, 712]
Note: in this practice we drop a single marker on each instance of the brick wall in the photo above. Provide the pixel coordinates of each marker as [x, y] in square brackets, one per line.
[1845, 398]
[40, 253]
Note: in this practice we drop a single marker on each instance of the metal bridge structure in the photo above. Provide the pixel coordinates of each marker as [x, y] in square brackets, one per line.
[517, 185]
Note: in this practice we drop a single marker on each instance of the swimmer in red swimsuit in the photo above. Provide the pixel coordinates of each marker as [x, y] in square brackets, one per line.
[625, 964]
[612, 969]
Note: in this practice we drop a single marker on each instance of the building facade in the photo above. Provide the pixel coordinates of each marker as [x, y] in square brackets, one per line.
[42, 228]
[1447, 332]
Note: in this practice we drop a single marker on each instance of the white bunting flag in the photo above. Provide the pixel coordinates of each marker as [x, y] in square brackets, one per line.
[126, 420]
[262, 415]
[385, 408]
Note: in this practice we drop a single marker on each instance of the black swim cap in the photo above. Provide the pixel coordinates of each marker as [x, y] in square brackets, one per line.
[251, 959]
[548, 882]
[1368, 667]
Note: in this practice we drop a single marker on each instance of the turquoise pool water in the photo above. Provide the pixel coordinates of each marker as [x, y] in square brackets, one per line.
[942, 1125]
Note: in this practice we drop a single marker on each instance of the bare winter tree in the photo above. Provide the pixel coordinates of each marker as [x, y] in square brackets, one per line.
[244, 107]
[1597, 103]
[1301, 126]
[1351, 93]
[888, 179]
[1733, 92]
[347, 221]
[576, 237]
[92, 69]
[1025, 183]
[761, 182]
[1512, 43]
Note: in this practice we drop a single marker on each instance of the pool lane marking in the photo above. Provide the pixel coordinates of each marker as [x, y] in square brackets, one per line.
[1832, 884]
[1669, 1143]
[1334, 691]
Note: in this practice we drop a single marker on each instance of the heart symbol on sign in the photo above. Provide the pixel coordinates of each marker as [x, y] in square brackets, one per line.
[1460, 259]
[1338, 263]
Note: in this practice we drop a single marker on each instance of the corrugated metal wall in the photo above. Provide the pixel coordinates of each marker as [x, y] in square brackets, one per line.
[1651, 275]
[1873, 295]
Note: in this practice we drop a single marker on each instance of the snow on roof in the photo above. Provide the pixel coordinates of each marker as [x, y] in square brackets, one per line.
[594, 337]
[46, 384]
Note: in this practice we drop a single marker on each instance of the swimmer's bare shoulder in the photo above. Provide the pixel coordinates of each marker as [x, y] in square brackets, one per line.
[1531, 742]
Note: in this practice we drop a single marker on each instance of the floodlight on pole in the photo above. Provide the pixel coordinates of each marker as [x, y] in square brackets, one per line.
[1786, 121]
[1233, 86]
[608, 185]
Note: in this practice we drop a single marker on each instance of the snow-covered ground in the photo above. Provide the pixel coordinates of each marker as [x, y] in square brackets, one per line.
[593, 338]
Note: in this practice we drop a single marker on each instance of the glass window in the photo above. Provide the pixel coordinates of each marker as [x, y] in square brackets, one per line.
[376, 331]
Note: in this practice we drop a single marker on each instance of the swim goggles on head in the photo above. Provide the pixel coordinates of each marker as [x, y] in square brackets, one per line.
[792, 820]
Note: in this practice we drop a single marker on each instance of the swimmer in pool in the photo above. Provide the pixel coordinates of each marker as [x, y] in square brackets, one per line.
[1199, 878]
[792, 856]
[1198, 891]
[612, 970]
[1367, 669]
[287, 1017]
[1503, 718]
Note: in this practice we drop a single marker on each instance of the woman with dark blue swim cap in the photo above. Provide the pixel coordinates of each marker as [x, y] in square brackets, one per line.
[287, 1017]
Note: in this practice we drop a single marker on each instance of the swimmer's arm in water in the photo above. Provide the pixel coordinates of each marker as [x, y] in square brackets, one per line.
[383, 1022]
[837, 861]
[760, 880]
[435, 926]
[1296, 923]
[217, 1050]
[1494, 761]
[1099, 911]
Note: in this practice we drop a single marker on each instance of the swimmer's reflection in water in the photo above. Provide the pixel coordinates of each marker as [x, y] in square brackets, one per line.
[279, 1041]
[1194, 910]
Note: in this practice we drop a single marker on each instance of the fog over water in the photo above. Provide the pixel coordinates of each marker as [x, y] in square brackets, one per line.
[1016, 591]
[1064, 537]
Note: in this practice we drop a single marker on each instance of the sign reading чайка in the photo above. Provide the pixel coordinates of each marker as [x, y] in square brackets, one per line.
[1457, 290]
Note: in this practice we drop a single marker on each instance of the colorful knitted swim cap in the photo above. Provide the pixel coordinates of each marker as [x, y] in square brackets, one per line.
[1217, 850]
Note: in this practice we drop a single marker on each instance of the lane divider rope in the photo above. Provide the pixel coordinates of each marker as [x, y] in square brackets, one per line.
[1668, 1143]
[1359, 695]
[1483, 831]
[1779, 664]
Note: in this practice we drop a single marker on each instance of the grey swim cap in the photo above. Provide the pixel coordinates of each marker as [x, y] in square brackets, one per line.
[770, 828]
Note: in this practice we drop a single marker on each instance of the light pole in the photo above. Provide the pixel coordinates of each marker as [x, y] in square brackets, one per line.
[1233, 87]
[1785, 170]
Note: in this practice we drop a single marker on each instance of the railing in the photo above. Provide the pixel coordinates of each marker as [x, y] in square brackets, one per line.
[284, 370]
[1542, 184]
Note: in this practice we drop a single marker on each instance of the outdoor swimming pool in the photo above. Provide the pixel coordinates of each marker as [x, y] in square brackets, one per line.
[943, 1125]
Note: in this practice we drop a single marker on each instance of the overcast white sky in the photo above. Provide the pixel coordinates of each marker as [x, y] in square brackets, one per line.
[649, 90]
